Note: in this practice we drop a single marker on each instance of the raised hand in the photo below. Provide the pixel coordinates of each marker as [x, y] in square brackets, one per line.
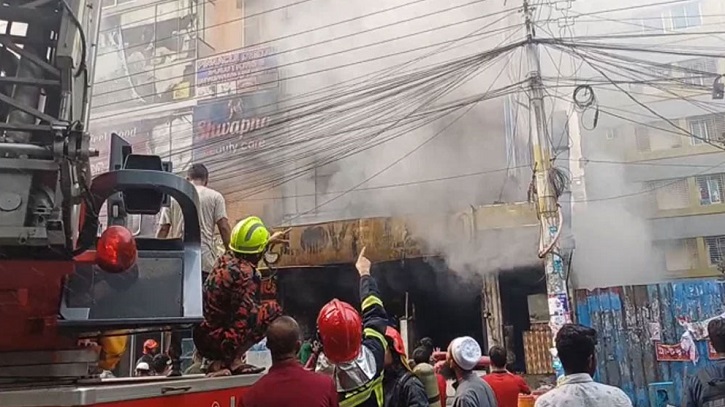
[278, 237]
[363, 264]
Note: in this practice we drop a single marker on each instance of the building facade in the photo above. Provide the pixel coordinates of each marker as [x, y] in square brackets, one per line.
[180, 79]
[663, 130]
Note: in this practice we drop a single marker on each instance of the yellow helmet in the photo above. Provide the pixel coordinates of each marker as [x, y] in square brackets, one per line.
[249, 236]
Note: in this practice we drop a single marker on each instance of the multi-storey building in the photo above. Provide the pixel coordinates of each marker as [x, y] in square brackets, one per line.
[168, 76]
[669, 142]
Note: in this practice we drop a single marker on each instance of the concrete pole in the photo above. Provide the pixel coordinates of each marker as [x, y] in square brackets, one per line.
[547, 205]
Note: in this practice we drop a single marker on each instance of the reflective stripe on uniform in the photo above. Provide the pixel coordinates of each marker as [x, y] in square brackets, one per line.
[377, 335]
[371, 300]
[359, 397]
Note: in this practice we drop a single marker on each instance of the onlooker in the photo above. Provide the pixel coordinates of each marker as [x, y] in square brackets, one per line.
[505, 385]
[196, 362]
[707, 387]
[288, 384]
[423, 354]
[305, 351]
[143, 369]
[463, 355]
[212, 214]
[161, 365]
[575, 345]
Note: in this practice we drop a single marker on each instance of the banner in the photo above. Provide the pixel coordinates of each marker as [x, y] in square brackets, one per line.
[143, 60]
[227, 127]
[169, 136]
[241, 71]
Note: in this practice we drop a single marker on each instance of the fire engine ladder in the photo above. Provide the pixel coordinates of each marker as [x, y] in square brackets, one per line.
[44, 150]
[45, 69]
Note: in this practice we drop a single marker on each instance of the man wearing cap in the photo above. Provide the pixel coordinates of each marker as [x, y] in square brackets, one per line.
[463, 355]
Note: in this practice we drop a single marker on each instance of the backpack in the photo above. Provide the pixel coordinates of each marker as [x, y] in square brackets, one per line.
[713, 388]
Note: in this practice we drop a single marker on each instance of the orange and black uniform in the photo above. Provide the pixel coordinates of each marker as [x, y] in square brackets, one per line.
[375, 321]
[234, 314]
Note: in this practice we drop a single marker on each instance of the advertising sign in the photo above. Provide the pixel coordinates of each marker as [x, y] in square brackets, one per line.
[168, 136]
[242, 71]
[227, 127]
[143, 61]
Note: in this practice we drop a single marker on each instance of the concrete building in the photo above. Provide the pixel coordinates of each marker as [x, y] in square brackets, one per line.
[667, 146]
[167, 72]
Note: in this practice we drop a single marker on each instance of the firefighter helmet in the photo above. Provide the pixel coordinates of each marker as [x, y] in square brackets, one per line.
[249, 236]
[340, 329]
[397, 340]
[150, 344]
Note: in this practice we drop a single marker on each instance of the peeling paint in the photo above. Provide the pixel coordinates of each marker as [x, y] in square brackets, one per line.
[625, 318]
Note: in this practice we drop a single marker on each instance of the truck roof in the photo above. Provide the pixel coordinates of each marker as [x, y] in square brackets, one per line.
[120, 389]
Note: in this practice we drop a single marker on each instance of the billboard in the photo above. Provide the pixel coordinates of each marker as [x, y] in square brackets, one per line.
[169, 136]
[145, 56]
[224, 128]
[241, 71]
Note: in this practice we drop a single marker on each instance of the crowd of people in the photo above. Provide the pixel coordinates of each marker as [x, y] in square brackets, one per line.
[359, 359]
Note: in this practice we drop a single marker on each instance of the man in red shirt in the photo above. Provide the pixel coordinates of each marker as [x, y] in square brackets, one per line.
[506, 385]
[288, 384]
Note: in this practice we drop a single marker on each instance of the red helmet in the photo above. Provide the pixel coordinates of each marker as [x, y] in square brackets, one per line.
[398, 344]
[150, 344]
[340, 328]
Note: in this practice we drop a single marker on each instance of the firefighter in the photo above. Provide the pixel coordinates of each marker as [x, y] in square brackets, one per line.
[356, 346]
[402, 388]
[235, 318]
[150, 349]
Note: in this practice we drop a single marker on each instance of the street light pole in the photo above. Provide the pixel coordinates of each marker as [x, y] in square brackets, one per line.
[546, 199]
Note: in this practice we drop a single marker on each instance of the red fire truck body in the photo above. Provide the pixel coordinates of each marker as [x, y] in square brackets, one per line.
[60, 282]
[195, 390]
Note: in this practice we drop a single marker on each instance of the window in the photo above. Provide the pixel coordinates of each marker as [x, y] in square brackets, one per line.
[698, 72]
[111, 3]
[680, 254]
[641, 136]
[671, 194]
[684, 16]
[652, 25]
[710, 187]
[699, 130]
[716, 248]
[612, 134]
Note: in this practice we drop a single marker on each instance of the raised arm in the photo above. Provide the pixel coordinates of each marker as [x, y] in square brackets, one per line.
[373, 310]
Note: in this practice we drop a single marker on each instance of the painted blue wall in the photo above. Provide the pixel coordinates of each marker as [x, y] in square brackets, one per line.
[622, 318]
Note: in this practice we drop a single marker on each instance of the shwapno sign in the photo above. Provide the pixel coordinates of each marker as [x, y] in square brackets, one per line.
[226, 127]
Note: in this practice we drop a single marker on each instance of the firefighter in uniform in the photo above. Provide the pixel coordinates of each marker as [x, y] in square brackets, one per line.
[356, 346]
[235, 317]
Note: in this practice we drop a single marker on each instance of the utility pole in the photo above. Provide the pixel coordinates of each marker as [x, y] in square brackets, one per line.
[546, 204]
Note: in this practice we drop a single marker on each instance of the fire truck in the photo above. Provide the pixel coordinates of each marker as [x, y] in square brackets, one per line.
[62, 282]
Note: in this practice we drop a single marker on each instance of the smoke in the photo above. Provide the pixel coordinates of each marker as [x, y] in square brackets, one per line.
[428, 173]
[613, 238]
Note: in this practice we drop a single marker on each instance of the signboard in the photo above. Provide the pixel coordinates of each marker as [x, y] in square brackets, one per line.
[241, 71]
[225, 128]
[145, 56]
[670, 353]
[674, 353]
[386, 239]
[168, 136]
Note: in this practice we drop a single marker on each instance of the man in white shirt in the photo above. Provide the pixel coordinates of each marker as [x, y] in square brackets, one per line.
[212, 214]
[575, 345]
